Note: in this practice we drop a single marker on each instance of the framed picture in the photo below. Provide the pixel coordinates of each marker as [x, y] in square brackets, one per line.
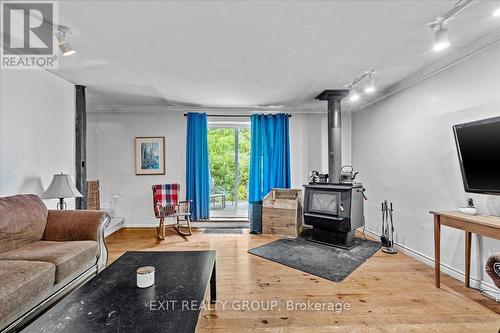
[150, 155]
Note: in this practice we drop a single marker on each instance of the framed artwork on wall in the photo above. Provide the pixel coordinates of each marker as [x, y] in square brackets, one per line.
[150, 155]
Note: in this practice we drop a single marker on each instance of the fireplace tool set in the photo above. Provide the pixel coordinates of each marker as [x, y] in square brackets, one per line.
[387, 236]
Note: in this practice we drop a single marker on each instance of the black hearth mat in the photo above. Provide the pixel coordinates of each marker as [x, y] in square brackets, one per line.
[325, 261]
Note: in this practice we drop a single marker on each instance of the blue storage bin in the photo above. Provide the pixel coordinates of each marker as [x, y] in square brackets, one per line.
[255, 217]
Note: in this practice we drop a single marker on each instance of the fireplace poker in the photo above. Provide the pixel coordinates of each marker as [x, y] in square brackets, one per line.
[384, 237]
[390, 249]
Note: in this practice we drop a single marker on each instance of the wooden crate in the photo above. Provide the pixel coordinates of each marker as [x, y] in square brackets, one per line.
[282, 213]
[93, 197]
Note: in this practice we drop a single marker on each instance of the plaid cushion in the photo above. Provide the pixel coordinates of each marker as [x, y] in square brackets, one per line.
[166, 194]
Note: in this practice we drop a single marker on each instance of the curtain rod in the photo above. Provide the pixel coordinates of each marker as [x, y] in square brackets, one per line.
[230, 115]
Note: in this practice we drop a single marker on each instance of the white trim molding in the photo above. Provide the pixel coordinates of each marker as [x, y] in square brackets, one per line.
[114, 225]
[474, 283]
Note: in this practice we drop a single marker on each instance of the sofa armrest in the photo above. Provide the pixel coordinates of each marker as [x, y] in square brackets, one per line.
[73, 225]
[79, 225]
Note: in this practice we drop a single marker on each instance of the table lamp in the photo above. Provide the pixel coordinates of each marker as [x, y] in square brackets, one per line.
[61, 187]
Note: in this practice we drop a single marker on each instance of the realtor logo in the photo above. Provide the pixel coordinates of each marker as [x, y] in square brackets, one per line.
[28, 34]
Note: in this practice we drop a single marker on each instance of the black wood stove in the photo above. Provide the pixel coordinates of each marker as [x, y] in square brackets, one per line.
[334, 209]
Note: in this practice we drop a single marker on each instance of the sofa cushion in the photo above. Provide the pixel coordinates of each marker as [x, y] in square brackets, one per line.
[21, 282]
[68, 257]
[22, 220]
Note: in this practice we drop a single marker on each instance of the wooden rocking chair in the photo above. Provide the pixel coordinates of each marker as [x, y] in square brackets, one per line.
[166, 204]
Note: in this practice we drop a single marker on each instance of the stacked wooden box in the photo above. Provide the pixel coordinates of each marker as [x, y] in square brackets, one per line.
[93, 198]
[282, 213]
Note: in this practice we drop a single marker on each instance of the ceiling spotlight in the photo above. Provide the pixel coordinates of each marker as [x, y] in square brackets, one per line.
[64, 45]
[497, 12]
[370, 83]
[353, 95]
[66, 49]
[441, 39]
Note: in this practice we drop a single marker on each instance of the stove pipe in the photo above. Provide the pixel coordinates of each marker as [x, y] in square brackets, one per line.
[334, 98]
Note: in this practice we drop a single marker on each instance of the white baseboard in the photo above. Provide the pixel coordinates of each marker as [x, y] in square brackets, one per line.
[453, 272]
[139, 225]
[114, 225]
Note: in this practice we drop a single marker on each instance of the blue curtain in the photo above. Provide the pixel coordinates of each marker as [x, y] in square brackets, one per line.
[269, 155]
[197, 166]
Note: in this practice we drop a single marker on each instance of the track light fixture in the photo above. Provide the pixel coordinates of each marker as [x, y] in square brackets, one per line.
[370, 83]
[441, 38]
[369, 86]
[62, 38]
[497, 12]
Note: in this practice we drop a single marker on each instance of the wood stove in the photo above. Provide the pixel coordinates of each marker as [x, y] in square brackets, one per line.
[334, 209]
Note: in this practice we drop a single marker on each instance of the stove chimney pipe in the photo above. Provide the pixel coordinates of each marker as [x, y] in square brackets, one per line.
[334, 98]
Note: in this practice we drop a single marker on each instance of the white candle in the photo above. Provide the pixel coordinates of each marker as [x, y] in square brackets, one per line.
[145, 276]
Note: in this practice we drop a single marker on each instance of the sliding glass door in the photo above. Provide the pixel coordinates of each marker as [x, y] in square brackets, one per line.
[229, 153]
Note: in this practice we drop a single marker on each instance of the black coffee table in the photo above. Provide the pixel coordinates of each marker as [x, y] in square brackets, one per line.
[111, 302]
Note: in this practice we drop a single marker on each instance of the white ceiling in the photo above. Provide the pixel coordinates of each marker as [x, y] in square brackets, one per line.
[186, 55]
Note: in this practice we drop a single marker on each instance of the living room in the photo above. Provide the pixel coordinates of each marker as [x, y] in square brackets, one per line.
[296, 166]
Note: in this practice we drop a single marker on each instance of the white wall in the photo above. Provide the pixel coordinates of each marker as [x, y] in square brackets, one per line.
[404, 149]
[309, 144]
[37, 131]
[111, 155]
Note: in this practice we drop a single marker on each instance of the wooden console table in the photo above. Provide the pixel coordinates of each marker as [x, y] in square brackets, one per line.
[488, 226]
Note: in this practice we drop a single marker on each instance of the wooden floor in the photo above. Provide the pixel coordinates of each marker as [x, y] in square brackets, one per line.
[386, 294]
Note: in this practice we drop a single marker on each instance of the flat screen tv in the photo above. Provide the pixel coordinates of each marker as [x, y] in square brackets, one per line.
[478, 145]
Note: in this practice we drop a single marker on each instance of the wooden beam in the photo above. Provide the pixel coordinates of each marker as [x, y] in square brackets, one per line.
[81, 146]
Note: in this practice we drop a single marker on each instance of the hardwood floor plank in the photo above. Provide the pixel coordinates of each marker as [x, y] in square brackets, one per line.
[388, 293]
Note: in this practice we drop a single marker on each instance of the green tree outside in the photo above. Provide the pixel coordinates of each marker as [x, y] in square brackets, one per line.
[221, 143]
[243, 163]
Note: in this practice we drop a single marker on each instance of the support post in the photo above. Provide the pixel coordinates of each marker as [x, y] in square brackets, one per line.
[81, 146]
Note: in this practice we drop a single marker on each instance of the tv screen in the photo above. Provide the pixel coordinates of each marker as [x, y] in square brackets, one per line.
[478, 145]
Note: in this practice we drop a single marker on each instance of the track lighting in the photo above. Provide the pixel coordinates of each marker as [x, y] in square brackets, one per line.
[497, 12]
[64, 45]
[369, 86]
[441, 39]
[370, 83]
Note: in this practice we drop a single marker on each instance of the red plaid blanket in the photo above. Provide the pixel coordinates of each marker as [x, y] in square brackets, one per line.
[166, 194]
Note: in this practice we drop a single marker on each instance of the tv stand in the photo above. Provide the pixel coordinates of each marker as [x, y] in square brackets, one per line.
[488, 226]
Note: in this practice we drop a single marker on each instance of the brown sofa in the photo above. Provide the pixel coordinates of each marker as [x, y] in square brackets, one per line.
[44, 254]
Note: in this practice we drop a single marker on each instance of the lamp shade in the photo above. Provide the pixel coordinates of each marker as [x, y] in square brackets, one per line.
[61, 186]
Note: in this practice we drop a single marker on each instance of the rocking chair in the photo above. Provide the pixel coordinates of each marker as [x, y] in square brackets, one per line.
[166, 204]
